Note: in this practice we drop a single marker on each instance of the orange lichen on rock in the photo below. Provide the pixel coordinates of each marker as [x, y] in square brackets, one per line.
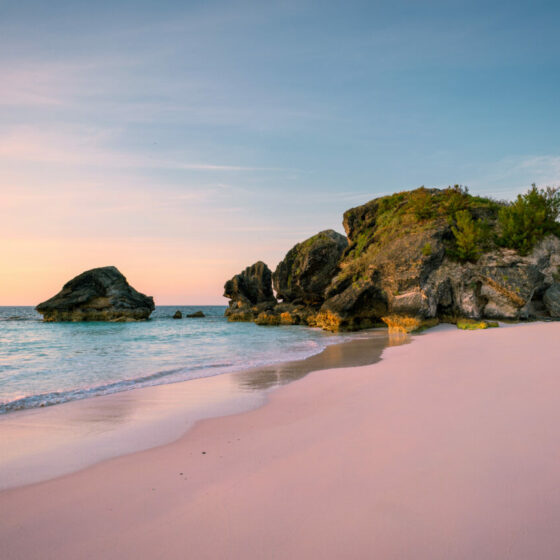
[287, 318]
[267, 319]
[397, 323]
[326, 320]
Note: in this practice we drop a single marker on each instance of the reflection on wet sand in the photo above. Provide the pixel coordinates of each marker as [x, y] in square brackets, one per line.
[359, 352]
[43, 443]
[397, 338]
[105, 414]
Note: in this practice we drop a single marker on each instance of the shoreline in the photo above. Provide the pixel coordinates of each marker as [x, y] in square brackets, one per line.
[42, 443]
[165, 355]
[446, 449]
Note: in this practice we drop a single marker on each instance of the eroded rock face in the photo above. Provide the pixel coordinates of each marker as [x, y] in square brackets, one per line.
[377, 279]
[501, 285]
[400, 259]
[100, 294]
[308, 268]
[551, 300]
[408, 272]
[250, 293]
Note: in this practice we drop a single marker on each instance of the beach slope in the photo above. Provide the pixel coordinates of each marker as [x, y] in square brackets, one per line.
[447, 449]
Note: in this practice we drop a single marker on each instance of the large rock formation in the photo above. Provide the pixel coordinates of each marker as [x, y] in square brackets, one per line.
[424, 254]
[400, 264]
[250, 293]
[308, 268]
[100, 294]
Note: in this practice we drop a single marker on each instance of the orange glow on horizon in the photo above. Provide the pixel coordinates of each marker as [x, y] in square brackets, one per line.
[170, 273]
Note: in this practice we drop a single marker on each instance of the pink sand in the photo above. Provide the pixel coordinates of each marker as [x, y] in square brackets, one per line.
[447, 449]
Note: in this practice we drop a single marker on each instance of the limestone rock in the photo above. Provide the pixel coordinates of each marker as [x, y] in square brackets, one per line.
[196, 315]
[382, 278]
[405, 269]
[359, 306]
[308, 268]
[100, 294]
[269, 319]
[402, 259]
[177, 315]
[551, 299]
[250, 293]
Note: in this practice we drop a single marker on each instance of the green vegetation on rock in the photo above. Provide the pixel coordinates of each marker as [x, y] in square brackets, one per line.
[403, 324]
[472, 325]
[531, 217]
[421, 204]
[470, 236]
[418, 211]
[414, 256]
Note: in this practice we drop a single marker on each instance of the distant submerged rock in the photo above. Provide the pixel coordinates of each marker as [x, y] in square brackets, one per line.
[196, 315]
[177, 315]
[100, 294]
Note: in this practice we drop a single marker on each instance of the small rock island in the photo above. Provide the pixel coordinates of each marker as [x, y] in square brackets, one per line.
[99, 294]
[196, 315]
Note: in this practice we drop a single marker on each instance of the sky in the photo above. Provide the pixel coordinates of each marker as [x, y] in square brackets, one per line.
[183, 141]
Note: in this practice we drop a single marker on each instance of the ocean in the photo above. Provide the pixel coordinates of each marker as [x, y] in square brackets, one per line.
[43, 364]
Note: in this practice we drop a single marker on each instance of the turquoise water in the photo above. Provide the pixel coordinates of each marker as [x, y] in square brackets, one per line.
[48, 363]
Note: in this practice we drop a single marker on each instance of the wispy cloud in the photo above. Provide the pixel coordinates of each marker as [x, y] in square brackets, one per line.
[512, 175]
[61, 82]
[87, 147]
[545, 168]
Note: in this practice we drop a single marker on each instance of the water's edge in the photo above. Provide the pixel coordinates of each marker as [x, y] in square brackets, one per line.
[45, 443]
[44, 364]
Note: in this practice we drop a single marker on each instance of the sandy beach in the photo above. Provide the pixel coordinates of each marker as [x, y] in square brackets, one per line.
[42, 443]
[446, 449]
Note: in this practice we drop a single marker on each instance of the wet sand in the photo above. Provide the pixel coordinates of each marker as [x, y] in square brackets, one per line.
[43, 443]
[446, 449]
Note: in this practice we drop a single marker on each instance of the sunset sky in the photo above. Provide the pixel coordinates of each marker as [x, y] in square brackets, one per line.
[183, 141]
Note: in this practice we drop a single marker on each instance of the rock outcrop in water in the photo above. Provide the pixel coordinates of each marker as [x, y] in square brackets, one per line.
[100, 294]
[250, 293]
[427, 254]
[196, 315]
